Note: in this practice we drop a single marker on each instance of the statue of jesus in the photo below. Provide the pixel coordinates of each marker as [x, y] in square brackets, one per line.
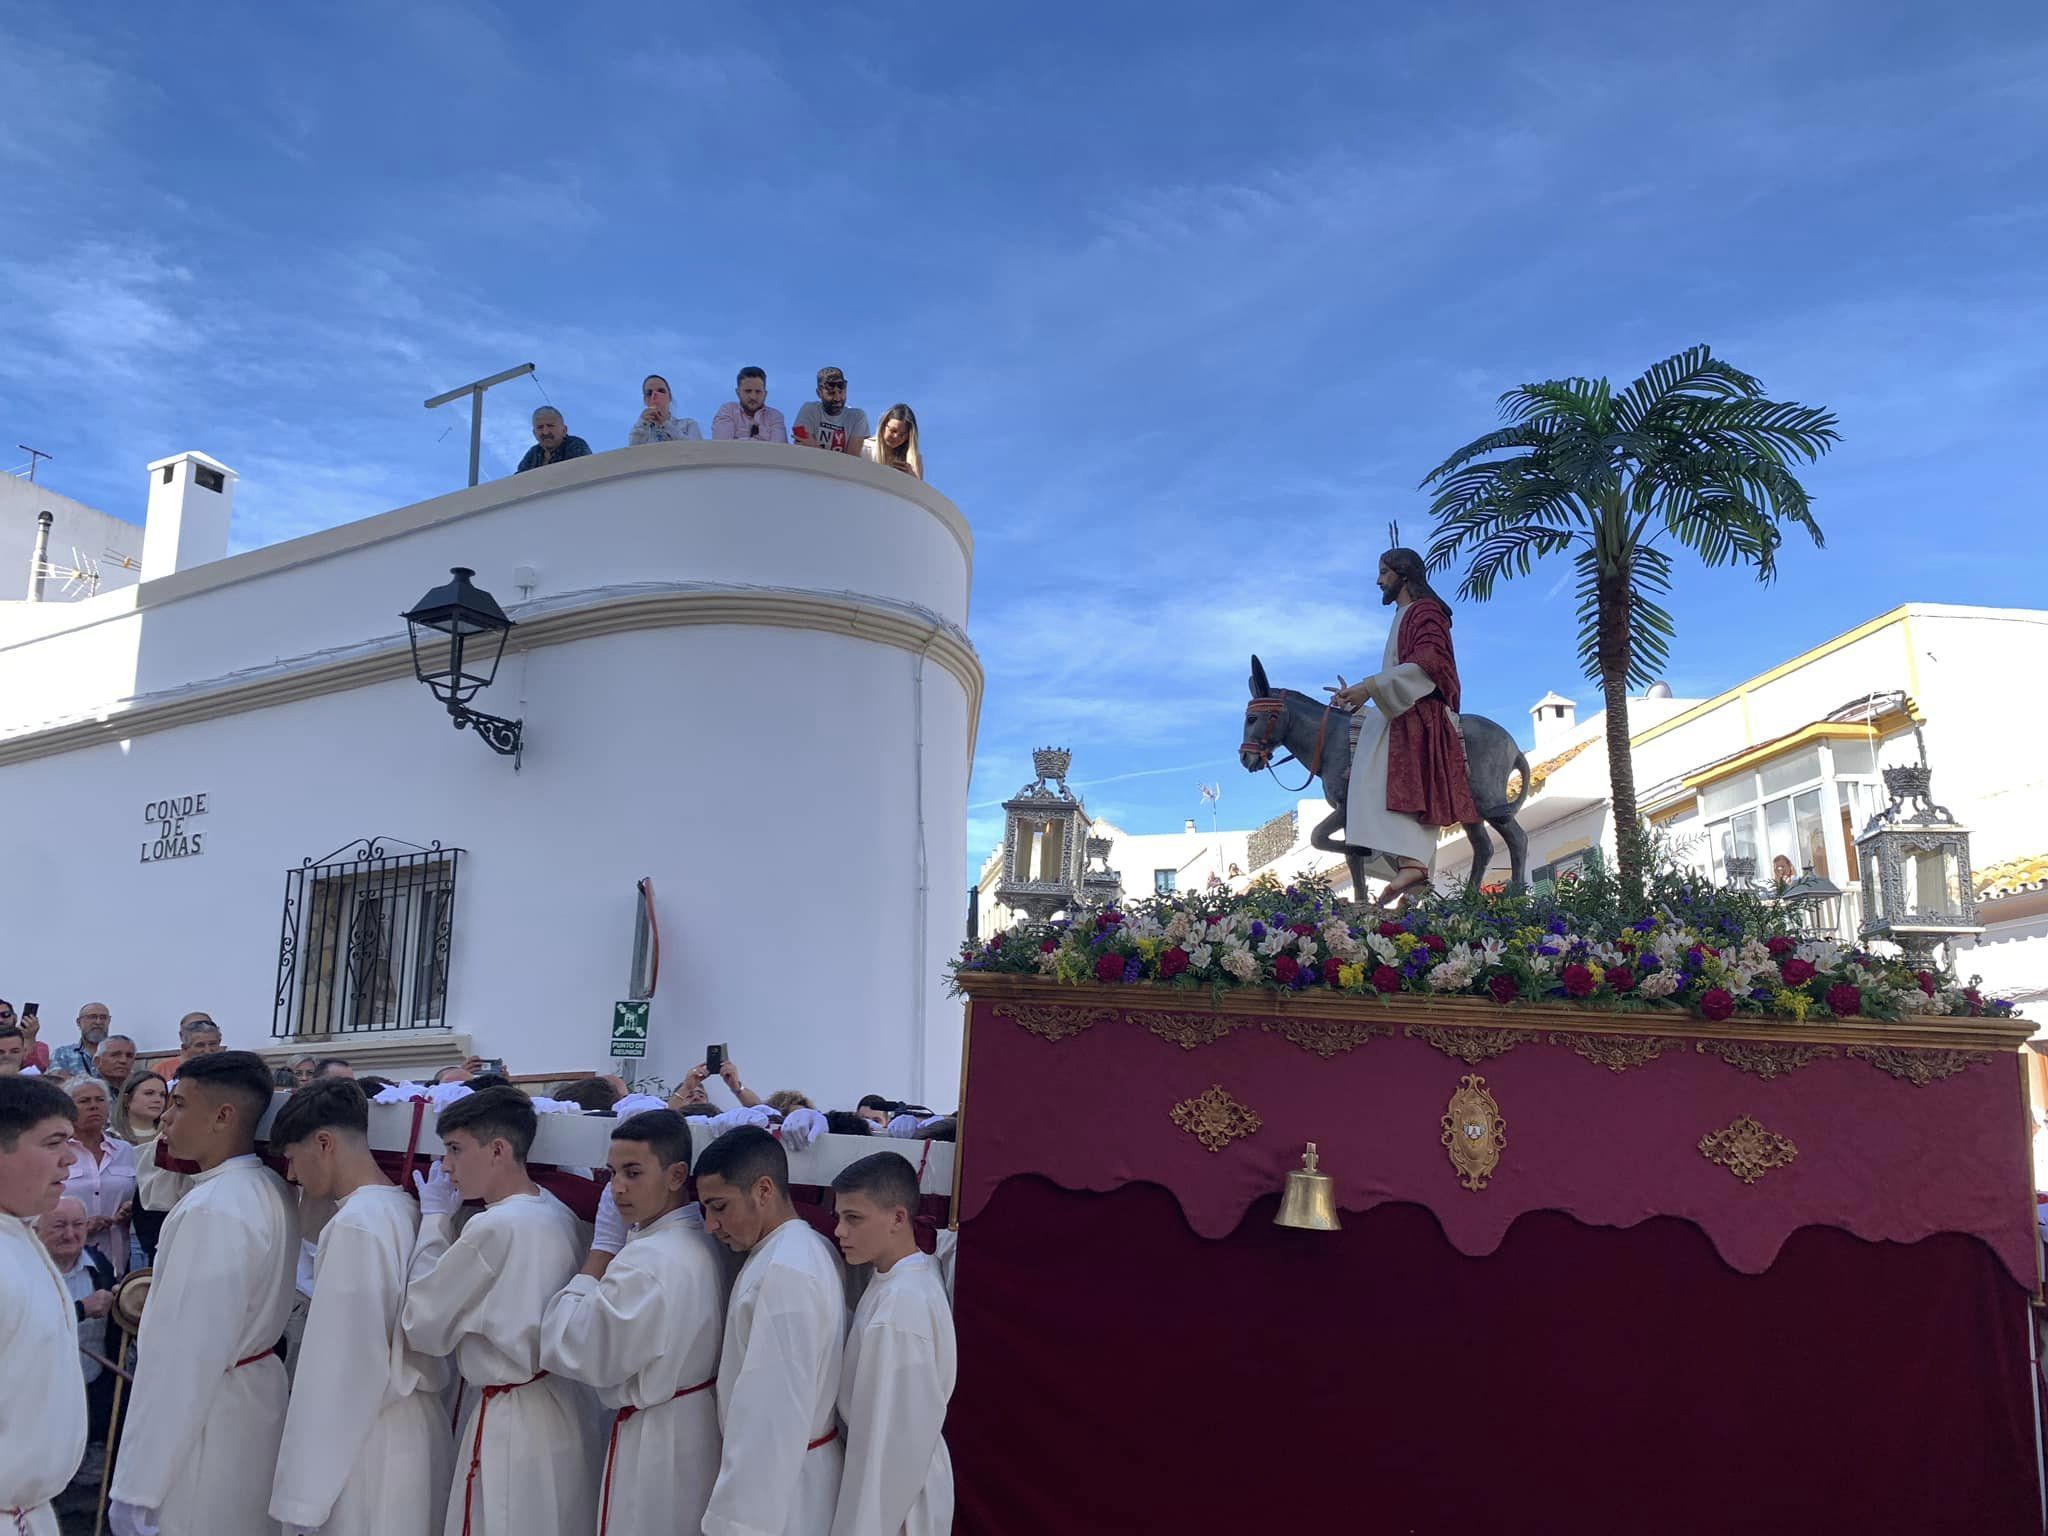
[1408, 773]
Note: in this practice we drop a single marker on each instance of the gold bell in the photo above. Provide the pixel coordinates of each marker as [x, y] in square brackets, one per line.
[1310, 1199]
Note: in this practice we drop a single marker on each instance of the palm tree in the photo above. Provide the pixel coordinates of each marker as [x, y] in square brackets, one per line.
[1690, 454]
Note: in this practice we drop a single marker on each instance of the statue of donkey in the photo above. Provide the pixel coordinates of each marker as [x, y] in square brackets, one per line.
[1318, 736]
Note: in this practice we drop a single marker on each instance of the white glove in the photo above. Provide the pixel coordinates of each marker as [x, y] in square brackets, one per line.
[800, 1127]
[904, 1126]
[608, 1234]
[438, 1194]
[130, 1519]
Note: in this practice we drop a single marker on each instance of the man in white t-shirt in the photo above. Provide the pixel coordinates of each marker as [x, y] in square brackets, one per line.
[829, 422]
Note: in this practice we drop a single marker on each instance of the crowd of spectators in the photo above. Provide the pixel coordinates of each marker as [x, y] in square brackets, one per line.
[828, 423]
[120, 1187]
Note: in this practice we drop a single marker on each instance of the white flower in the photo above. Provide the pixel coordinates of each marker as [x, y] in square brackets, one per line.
[1199, 957]
[1490, 950]
[1308, 950]
[1239, 962]
[1273, 943]
[1383, 948]
[1658, 984]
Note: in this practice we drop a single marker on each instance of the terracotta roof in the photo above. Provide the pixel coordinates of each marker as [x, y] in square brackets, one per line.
[2012, 876]
[1550, 765]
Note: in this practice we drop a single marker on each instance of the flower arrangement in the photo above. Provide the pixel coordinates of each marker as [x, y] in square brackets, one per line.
[1711, 952]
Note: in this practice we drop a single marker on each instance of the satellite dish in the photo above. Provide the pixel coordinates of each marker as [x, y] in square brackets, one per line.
[1659, 690]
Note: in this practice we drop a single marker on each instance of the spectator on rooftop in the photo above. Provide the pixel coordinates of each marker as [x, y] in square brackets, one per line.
[78, 1060]
[34, 1053]
[749, 418]
[658, 423]
[828, 422]
[551, 441]
[895, 444]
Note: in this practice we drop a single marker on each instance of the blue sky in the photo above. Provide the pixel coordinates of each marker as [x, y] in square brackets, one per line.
[1187, 301]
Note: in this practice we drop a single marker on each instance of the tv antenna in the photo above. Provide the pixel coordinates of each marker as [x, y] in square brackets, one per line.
[81, 577]
[475, 391]
[34, 455]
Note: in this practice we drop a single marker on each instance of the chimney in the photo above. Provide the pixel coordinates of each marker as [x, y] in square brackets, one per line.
[190, 498]
[1556, 718]
[41, 557]
[1191, 824]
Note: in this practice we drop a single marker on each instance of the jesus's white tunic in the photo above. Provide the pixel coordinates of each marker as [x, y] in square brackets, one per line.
[42, 1412]
[898, 1378]
[778, 1379]
[367, 1448]
[199, 1441]
[646, 1337]
[524, 1464]
[1393, 836]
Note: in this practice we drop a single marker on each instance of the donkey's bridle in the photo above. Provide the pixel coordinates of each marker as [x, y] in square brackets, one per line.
[1275, 710]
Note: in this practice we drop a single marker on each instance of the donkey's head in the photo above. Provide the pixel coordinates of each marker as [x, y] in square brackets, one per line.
[1265, 722]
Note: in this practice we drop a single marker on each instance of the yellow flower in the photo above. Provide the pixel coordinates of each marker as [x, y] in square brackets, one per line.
[1350, 975]
[1148, 948]
[1599, 972]
[1794, 1003]
[1405, 942]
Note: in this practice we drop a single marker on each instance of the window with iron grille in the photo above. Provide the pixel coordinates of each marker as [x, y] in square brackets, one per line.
[365, 940]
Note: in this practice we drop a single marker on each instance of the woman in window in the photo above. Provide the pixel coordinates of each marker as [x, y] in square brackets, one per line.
[103, 1177]
[895, 442]
[138, 1116]
[658, 423]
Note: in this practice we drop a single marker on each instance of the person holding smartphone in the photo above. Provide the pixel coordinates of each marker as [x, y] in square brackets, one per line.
[36, 1054]
[658, 422]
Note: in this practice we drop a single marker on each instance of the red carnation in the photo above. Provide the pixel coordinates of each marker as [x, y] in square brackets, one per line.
[1797, 972]
[1502, 988]
[1926, 980]
[1578, 981]
[1436, 942]
[1302, 930]
[1844, 1001]
[1717, 1003]
[1109, 968]
[1975, 999]
[1391, 930]
[1621, 977]
[1386, 979]
[1285, 969]
[1779, 945]
[1108, 920]
[1172, 962]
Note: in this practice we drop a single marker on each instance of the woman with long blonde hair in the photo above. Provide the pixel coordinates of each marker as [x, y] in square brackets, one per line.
[895, 441]
[138, 1119]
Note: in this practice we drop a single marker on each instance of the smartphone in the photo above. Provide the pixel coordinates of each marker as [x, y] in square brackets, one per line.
[494, 1064]
[31, 1010]
[714, 1060]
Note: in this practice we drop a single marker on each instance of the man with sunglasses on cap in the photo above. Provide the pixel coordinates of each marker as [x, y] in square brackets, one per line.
[828, 421]
[749, 419]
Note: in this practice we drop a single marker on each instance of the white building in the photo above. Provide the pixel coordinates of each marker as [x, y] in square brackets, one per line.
[743, 674]
[1782, 768]
[88, 549]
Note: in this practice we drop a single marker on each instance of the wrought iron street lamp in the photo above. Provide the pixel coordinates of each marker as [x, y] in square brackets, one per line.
[1916, 862]
[475, 628]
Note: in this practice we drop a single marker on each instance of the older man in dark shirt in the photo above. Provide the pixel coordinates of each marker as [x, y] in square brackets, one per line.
[551, 441]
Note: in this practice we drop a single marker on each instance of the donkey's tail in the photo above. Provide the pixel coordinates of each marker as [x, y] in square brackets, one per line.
[1514, 793]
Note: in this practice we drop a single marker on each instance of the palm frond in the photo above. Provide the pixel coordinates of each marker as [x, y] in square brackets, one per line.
[1693, 372]
[1529, 434]
[1587, 401]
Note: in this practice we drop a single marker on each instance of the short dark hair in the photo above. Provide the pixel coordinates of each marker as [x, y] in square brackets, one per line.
[372, 1085]
[743, 1155]
[844, 1122]
[944, 1128]
[242, 1076]
[588, 1094]
[333, 1061]
[490, 1113]
[751, 372]
[485, 1080]
[666, 1133]
[26, 1102]
[326, 1103]
[693, 1111]
[884, 1177]
[11, 1032]
[876, 1101]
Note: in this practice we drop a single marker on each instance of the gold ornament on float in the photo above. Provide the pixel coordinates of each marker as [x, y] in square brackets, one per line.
[1215, 1119]
[1747, 1150]
[1310, 1199]
[1474, 1132]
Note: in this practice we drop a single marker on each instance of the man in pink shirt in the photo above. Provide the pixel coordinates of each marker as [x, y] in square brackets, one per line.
[749, 419]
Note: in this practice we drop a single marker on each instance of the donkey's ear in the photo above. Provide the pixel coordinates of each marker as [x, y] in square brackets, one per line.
[1260, 688]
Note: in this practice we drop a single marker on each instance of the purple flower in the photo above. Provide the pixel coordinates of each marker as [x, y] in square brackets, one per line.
[1258, 931]
[1134, 968]
[1558, 924]
[1643, 924]
[1309, 976]
[1546, 949]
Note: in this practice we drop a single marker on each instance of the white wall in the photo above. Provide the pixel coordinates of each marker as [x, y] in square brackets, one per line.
[73, 525]
[764, 777]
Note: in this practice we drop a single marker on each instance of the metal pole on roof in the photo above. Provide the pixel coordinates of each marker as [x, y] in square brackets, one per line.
[475, 391]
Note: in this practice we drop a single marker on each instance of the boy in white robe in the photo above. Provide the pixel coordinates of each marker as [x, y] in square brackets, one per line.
[367, 1449]
[202, 1427]
[778, 1368]
[42, 1414]
[900, 1361]
[523, 1463]
[642, 1326]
